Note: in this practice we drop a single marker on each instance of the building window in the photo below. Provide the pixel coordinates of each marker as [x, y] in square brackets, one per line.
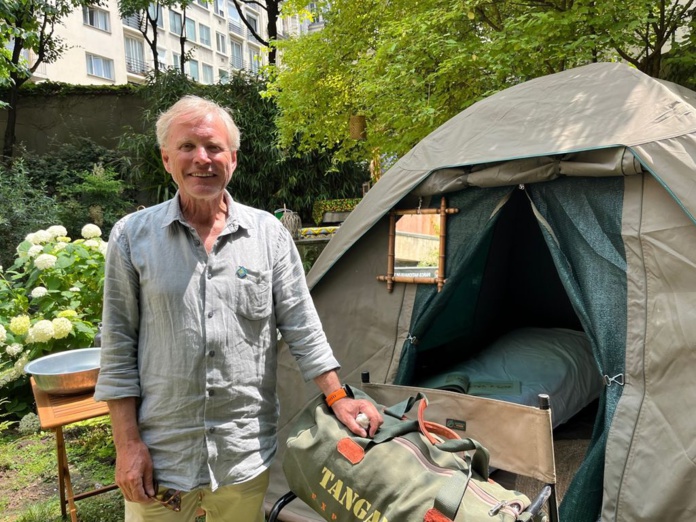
[208, 77]
[162, 59]
[224, 76]
[135, 56]
[254, 23]
[99, 66]
[202, 3]
[190, 30]
[176, 61]
[254, 60]
[236, 59]
[232, 13]
[221, 42]
[175, 22]
[205, 34]
[220, 7]
[155, 12]
[96, 18]
[193, 69]
[235, 21]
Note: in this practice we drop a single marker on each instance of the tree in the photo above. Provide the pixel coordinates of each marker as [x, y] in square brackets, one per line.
[147, 15]
[273, 11]
[410, 65]
[27, 27]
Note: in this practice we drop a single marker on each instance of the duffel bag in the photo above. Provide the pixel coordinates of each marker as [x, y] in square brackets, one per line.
[411, 471]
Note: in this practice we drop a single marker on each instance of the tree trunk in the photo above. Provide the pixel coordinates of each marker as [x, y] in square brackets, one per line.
[273, 12]
[9, 140]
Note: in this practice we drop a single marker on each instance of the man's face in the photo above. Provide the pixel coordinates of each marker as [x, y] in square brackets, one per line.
[198, 156]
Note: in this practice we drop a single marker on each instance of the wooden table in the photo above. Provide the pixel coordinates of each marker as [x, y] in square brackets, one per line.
[56, 411]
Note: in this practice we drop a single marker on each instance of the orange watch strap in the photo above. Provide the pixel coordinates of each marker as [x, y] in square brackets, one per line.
[332, 397]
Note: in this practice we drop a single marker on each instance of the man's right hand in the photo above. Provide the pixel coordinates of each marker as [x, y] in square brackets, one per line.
[134, 474]
[134, 471]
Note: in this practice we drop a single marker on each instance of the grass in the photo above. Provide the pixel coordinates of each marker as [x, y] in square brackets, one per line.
[29, 474]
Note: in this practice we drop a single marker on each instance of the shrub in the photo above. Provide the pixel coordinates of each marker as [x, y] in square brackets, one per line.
[29, 424]
[24, 206]
[50, 301]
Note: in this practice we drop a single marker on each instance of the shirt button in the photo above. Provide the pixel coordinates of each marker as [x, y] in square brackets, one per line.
[210, 314]
[196, 242]
[211, 353]
[211, 430]
[211, 393]
[210, 275]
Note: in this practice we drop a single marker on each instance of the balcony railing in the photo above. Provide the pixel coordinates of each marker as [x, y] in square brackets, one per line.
[237, 62]
[236, 29]
[136, 66]
[134, 21]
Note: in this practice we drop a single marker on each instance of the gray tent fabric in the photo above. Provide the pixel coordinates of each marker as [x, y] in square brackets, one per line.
[606, 157]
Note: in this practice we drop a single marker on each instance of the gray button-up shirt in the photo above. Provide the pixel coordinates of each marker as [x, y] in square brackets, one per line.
[193, 336]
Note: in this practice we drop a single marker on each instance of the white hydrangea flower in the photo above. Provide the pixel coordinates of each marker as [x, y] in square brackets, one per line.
[41, 332]
[45, 261]
[59, 246]
[35, 250]
[92, 243]
[57, 231]
[61, 327]
[30, 237]
[3, 334]
[20, 324]
[39, 291]
[13, 350]
[63, 239]
[90, 230]
[103, 246]
[41, 236]
[74, 289]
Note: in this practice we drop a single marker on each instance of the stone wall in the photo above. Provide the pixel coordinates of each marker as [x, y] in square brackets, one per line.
[45, 122]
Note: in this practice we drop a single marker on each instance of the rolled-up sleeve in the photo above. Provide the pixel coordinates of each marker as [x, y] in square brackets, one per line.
[118, 375]
[296, 316]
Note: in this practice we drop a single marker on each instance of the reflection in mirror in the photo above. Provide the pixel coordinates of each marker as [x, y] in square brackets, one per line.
[417, 245]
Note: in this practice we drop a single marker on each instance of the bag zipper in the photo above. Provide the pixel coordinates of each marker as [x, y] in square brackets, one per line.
[413, 448]
[513, 507]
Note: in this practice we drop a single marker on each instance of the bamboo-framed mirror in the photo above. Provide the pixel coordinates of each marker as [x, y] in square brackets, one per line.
[416, 251]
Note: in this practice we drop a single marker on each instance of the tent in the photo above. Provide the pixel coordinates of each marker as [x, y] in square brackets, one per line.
[577, 202]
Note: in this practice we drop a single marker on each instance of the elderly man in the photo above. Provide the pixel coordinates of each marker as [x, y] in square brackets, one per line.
[195, 289]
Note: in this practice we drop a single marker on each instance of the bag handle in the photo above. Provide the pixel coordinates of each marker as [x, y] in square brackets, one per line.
[453, 442]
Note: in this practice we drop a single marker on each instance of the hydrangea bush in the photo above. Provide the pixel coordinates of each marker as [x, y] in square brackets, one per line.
[50, 301]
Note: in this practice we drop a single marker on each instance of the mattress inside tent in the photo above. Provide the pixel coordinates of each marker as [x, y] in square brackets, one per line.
[523, 363]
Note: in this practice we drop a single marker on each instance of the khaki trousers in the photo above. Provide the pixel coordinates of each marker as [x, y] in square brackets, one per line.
[236, 503]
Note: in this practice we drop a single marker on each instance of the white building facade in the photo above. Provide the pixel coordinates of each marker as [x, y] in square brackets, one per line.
[105, 49]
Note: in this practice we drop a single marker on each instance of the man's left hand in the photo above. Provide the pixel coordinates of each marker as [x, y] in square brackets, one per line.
[347, 410]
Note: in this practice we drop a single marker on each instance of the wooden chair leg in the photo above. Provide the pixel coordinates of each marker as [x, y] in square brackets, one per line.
[67, 496]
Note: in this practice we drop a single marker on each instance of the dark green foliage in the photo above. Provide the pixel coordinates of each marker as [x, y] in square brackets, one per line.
[266, 176]
[86, 181]
[24, 208]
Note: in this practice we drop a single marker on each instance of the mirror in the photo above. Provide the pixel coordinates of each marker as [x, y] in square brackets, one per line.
[416, 250]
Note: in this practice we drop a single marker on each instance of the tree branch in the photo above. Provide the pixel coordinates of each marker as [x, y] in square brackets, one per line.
[249, 26]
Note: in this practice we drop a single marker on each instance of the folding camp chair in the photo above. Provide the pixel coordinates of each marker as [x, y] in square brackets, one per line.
[519, 438]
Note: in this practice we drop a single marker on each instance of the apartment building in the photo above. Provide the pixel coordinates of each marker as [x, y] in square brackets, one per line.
[105, 49]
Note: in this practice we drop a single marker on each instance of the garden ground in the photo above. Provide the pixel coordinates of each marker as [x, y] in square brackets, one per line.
[29, 479]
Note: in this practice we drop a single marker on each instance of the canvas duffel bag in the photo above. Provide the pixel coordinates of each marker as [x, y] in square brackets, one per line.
[411, 471]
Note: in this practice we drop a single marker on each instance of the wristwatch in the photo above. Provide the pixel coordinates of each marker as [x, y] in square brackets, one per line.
[343, 392]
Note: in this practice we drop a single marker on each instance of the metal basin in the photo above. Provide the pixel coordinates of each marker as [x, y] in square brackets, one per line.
[66, 373]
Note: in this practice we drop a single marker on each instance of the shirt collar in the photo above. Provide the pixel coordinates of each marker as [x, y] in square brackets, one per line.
[235, 218]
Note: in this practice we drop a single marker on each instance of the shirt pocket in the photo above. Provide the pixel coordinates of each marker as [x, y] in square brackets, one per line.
[254, 295]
